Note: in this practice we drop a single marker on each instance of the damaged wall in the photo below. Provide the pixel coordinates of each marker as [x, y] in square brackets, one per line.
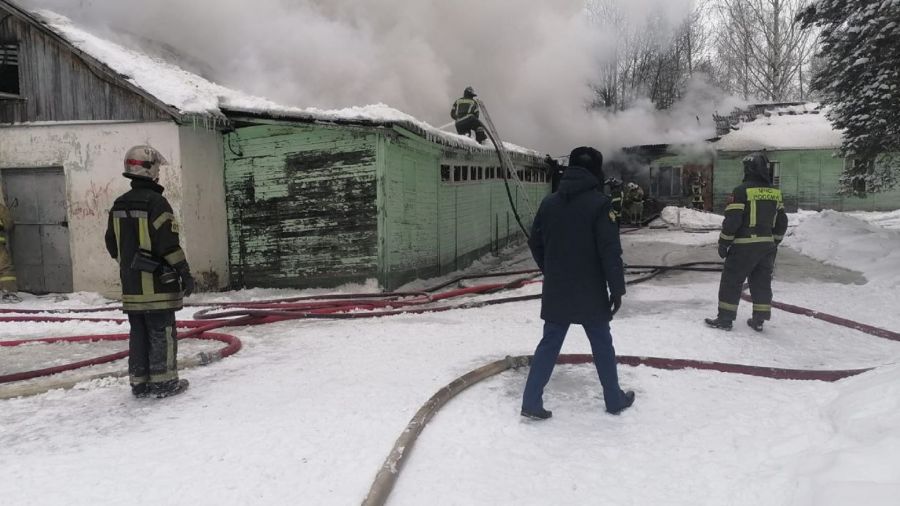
[91, 156]
[301, 205]
[314, 205]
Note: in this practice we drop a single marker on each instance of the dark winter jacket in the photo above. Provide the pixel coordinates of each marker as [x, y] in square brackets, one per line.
[755, 213]
[142, 219]
[575, 242]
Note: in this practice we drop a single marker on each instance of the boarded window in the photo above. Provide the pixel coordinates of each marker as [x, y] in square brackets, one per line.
[9, 68]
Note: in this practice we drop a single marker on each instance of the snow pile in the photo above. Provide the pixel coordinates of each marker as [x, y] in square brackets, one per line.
[691, 218]
[192, 94]
[796, 127]
[839, 239]
[860, 464]
[889, 220]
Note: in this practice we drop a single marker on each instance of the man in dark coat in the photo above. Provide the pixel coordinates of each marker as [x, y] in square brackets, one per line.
[575, 242]
[142, 235]
[754, 225]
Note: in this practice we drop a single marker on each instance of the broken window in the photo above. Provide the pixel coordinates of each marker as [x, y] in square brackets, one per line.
[9, 69]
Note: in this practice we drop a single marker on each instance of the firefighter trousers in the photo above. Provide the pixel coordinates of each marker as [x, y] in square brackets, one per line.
[153, 347]
[754, 262]
[7, 270]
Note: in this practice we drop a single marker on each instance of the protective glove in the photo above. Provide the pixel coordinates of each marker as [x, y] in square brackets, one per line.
[187, 281]
[615, 302]
[723, 250]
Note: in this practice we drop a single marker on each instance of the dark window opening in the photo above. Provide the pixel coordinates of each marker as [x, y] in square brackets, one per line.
[9, 69]
[457, 173]
[465, 173]
[480, 173]
[445, 173]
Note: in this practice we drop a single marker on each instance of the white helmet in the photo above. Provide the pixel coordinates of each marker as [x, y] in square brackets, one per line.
[142, 162]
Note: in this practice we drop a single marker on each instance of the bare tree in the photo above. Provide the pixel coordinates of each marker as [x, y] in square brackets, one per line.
[762, 50]
[652, 58]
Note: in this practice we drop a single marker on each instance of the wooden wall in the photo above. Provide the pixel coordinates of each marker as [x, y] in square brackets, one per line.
[301, 205]
[57, 85]
[809, 180]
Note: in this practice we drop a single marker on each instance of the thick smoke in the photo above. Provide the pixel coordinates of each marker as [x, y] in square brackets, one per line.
[529, 60]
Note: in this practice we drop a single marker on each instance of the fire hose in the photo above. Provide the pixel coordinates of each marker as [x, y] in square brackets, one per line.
[345, 306]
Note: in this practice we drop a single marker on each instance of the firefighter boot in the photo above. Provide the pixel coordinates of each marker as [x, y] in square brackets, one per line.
[169, 388]
[718, 323]
[756, 324]
[140, 390]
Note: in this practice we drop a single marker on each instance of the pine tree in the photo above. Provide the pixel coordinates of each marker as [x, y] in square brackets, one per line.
[860, 80]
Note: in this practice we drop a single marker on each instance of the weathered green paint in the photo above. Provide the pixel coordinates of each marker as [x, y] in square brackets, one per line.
[319, 205]
[809, 180]
[302, 205]
[430, 226]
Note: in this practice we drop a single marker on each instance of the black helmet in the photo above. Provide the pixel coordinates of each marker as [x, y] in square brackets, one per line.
[756, 167]
[469, 92]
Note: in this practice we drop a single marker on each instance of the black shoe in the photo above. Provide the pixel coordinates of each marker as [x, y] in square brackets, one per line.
[140, 391]
[718, 323]
[628, 401]
[169, 388]
[540, 414]
[755, 324]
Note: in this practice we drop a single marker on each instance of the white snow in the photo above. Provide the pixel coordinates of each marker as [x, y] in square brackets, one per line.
[308, 410]
[691, 218]
[795, 127]
[840, 239]
[190, 93]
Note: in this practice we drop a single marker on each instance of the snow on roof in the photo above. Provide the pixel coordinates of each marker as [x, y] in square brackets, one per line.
[190, 93]
[795, 127]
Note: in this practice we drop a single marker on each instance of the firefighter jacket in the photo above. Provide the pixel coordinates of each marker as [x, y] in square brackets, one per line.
[464, 107]
[142, 219]
[6, 223]
[755, 214]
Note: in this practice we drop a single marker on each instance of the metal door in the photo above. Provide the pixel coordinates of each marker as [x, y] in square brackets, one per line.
[40, 241]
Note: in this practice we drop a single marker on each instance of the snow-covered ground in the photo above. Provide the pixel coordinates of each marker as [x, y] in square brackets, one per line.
[308, 410]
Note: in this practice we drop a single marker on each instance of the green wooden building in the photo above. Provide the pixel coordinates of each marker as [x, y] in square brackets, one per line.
[802, 145]
[325, 201]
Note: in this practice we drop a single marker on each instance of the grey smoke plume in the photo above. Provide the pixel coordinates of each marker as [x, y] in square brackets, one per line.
[529, 60]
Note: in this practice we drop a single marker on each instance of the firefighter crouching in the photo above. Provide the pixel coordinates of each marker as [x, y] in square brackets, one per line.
[465, 113]
[754, 225]
[142, 235]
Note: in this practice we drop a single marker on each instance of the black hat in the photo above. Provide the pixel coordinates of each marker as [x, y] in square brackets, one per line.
[588, 158]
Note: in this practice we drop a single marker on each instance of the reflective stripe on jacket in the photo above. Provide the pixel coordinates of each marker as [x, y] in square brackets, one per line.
[755, 214]
[142, 219]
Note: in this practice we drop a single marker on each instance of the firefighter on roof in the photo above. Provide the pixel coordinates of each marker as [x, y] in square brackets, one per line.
[465, 112]
[754, 225]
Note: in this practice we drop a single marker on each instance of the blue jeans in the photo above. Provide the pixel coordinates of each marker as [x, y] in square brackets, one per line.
[545, 358]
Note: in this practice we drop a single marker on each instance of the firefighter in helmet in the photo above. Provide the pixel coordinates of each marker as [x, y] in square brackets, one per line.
[8, 284]
[754, 225]
[633, 203]
[615, 196]
[142, 235]
[697, 186]
[465, 113]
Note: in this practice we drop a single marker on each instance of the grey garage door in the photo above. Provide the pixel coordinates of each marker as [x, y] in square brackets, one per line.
[40, 242]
